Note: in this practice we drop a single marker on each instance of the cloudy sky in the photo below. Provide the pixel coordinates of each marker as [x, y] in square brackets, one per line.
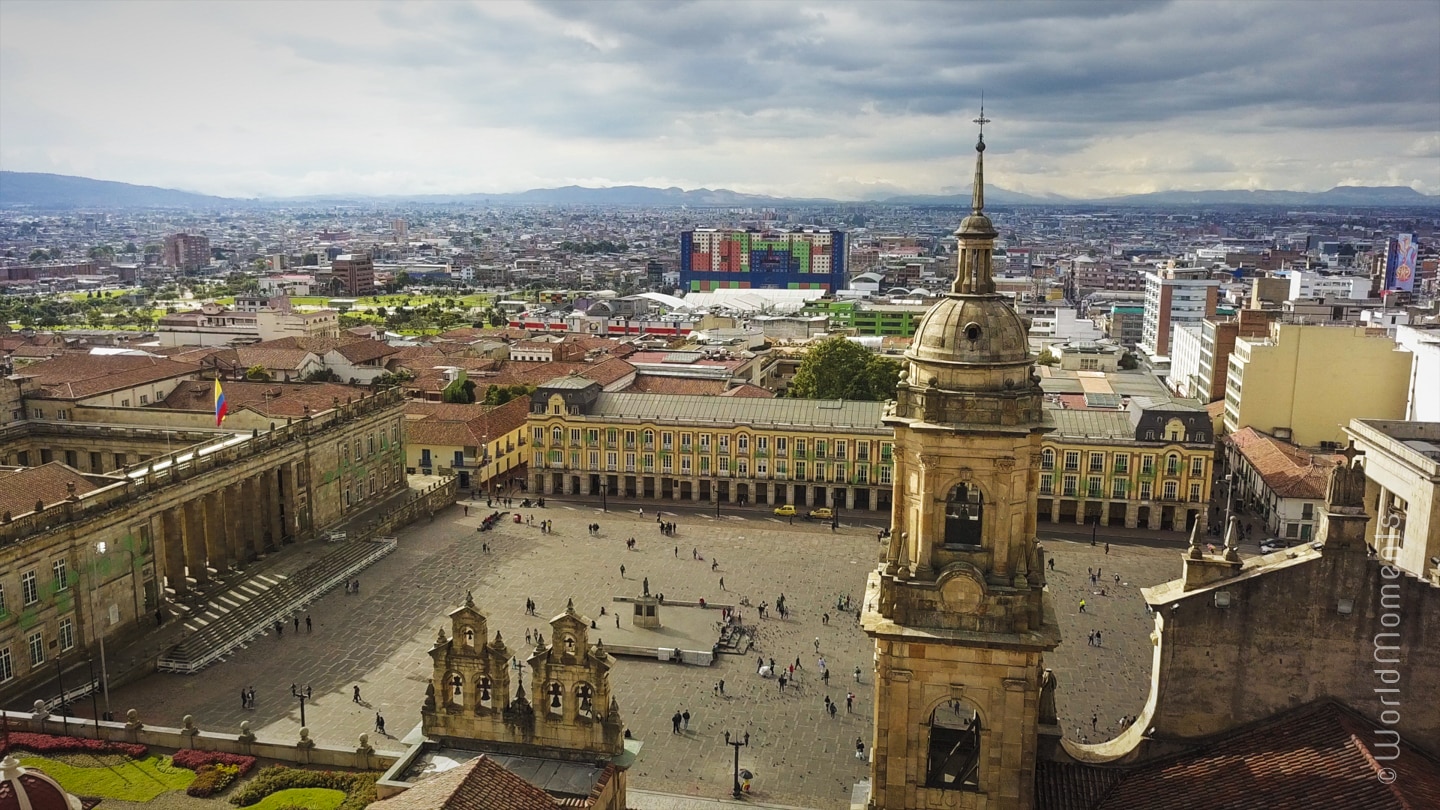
[849, 100]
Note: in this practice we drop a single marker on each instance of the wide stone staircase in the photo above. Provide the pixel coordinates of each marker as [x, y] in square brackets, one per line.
[241, 613]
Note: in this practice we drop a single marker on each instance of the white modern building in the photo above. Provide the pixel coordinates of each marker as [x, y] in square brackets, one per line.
[1310, 284]
[1424, 343]
[1186, 374]
[1175, 296]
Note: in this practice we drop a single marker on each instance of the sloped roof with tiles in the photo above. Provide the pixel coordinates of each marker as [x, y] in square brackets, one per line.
[1287, 470]
[690, 386]
[268, 398]
[479, 784]
[1322, 755]
[20, 489]
[363, 351]
[76, 376]
[748, 391]
[440, 424]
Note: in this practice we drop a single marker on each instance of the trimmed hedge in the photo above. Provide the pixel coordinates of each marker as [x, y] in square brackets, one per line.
[359, 788]
[195, 760]
[51, 744]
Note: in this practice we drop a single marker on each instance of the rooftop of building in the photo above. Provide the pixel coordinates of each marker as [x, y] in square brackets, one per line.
[76, 376]
[759, 413]
[1320, 755]
[276, 399]
[22, 487]
[1419, 438]
[439, 424]
[1287, 470]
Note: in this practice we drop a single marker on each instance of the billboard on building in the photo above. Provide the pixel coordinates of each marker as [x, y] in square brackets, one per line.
[1400, 262]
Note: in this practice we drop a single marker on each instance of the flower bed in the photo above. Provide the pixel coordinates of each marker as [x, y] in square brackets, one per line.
[212, 779]
[195, 760]
[359, 788]
[51, 744]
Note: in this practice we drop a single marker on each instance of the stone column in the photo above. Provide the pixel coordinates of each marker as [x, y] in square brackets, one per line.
[1055, 508]
[217, 531]
[241, 514]
[270, 485]
[195, 540]
[1132, 514]
[172, 548]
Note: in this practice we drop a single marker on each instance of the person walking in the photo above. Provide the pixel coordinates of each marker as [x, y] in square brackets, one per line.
[356, 697]
[857, 674]
[308, 626]
[686, 718]
[379, 723]
[859, 748]
[722, 583]
[622, 571]
[279, 628]
[817, 644]
[675, 721]
[833, 710]
[296, 619]
[1082, 605]
[244, 699]
[722, 687]
[849, 702]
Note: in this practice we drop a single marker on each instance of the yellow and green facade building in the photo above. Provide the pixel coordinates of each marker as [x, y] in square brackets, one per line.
[810, 453]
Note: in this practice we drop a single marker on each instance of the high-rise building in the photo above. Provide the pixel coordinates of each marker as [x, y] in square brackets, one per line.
[1175, 296]
[958, 608]
[186, 252]
[801, 259]
[353, 273]
[1304, 384]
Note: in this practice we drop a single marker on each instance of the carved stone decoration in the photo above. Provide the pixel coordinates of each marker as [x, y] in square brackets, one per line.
[520, 714]
[1048, 684]
[1347, 481]
[430, 696]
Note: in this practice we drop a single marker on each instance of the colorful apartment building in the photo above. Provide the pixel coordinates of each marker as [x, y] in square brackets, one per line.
[802, 259]
[614, 446]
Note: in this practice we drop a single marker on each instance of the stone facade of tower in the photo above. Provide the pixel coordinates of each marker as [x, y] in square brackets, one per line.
[957, 606]
[471, 701]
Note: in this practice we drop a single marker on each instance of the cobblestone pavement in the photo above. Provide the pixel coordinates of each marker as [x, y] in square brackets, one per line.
[378, 640]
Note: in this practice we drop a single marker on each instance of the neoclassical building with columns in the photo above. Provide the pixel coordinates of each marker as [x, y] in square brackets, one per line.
[111, 513]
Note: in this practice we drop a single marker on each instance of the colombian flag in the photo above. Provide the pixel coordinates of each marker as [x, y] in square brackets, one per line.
[220, 407]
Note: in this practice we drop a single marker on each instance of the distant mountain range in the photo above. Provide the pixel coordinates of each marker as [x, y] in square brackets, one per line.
[58, 191]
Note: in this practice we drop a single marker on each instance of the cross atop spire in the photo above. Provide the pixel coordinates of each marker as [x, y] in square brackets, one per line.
[978, 192]
[982, 121]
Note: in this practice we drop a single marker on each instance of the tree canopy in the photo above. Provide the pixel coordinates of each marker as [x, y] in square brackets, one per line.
[842, 369]
[460, 392]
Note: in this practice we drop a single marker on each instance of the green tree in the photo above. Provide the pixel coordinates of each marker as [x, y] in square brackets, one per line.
[257, 373]
[1128, 362]
[495, 317]
[499, 395]
[1047, 358]
[842, 369]
[461, 391]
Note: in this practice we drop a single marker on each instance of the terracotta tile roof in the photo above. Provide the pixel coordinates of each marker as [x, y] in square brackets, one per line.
[441, 424]
[75, 376]
[287, 359]
[1322, 755]
[20, 489]
[1287, 470]
[747, 390]
[269, 398]
[650, 384]
[362, 351]
[479, 784]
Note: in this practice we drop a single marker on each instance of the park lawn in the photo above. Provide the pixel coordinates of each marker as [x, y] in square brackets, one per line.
[309, 798]
[136, 780]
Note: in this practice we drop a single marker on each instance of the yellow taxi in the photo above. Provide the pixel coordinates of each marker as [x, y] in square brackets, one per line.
[823, 513]
[788, 510]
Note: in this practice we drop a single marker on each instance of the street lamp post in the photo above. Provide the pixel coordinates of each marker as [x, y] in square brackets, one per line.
[94, 707]
[1229, 499]
[737, 743]
[303, 695]
[100, 548]
[60, 681]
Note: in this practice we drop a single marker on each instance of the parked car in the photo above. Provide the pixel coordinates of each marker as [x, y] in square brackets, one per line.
[823, 513]
[788, 510]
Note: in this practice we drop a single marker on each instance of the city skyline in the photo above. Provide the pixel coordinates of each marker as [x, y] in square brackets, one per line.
[847, 101]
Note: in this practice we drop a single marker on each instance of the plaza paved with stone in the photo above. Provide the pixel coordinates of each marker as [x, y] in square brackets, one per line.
[378, 639]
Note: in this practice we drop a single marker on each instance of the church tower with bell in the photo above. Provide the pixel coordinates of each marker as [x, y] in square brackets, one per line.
[957, 606]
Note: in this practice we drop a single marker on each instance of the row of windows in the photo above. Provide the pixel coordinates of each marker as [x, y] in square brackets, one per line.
[822, 448]
[1120, 488]
[803, 471]
[30, 585]
[368, 446]
[35, 644]
[1095, 462]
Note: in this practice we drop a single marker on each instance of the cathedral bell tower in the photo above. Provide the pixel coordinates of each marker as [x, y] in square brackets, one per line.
[957, 607]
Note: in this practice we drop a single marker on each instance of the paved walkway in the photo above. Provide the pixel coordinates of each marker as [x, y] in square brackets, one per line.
[378, 640]
[800, 755]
